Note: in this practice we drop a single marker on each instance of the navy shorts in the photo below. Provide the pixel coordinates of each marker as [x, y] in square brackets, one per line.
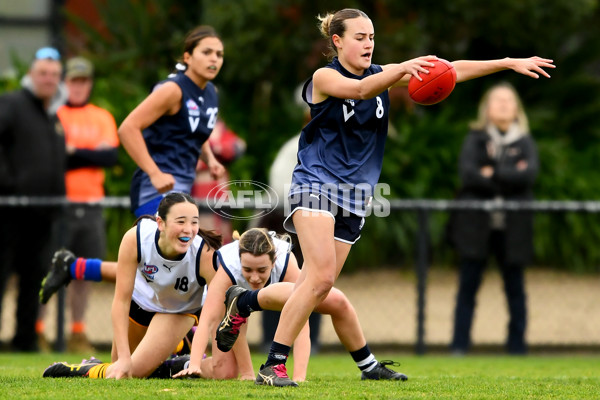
[347, 225]
[142, 317]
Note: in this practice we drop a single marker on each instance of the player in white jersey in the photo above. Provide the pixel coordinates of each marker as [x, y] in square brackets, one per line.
[162, 268]
[263, 272]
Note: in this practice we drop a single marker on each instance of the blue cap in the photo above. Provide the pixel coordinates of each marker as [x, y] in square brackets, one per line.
[47, 53]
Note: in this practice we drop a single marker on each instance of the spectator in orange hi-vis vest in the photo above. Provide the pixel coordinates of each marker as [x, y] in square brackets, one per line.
[92, 144]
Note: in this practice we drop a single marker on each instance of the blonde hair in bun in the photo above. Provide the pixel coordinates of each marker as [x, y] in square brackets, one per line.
[334, 24]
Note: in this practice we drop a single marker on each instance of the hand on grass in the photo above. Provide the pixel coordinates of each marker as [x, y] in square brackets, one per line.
[190, 372]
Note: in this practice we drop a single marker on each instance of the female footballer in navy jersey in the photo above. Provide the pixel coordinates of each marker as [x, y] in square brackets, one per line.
[340, 156]
[167, 132]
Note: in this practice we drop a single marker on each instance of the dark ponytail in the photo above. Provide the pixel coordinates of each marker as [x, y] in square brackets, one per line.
[212, 238]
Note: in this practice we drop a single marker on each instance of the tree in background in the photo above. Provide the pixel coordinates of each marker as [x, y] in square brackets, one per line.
[271, 47]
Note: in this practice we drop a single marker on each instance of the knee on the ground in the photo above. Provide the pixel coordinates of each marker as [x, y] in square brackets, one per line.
[224, 370]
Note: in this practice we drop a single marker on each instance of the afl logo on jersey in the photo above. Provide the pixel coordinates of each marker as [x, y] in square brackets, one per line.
[193, 109]
[148, 272]
[193, 114]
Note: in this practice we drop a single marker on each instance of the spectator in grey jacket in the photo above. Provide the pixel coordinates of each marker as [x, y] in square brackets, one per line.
[498, 161]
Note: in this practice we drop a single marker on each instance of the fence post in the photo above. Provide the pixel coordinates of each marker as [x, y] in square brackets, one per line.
[422, 268]
[60, 343]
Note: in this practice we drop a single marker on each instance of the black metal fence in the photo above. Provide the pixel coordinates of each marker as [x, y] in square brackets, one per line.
[422, 207]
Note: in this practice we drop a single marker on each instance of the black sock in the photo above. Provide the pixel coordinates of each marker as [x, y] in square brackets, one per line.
[247, 302]
[278, 354]
[364, 359]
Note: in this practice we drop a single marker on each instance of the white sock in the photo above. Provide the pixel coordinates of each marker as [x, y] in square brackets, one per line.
[367, 364]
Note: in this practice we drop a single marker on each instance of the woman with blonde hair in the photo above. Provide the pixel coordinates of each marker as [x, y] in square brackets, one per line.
[498, 161]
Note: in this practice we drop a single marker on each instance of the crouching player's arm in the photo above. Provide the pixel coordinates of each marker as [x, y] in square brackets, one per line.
[126, 268]
[212, 312]
[241, 350]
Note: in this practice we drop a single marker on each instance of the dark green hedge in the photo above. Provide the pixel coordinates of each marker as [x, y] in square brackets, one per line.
[272, 46]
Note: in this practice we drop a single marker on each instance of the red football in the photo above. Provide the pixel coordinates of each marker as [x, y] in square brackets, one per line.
[435, 86]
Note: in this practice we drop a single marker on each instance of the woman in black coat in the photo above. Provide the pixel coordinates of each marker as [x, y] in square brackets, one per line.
[498, 161]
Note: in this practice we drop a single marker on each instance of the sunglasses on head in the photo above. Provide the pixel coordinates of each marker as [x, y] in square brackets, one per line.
[47, 53]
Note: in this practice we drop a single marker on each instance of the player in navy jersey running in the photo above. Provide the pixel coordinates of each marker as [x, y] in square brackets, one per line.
[162, 269]
[168, 131]
[340, 156]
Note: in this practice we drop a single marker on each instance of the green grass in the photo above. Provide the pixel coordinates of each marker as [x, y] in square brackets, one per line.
[332, 376]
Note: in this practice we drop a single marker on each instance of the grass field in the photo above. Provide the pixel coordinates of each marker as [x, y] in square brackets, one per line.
[332, 376]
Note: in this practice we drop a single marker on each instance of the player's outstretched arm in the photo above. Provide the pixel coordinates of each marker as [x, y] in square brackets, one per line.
[328, 82]
[532, 67]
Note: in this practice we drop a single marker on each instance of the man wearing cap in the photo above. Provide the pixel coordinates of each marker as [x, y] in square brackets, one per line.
[92, 144]
[32, 163]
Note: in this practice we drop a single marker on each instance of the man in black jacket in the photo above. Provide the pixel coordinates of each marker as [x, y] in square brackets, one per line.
[32, 163]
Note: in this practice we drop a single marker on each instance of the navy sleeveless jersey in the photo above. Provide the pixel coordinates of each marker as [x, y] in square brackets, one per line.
[340, 152]
[175, 141]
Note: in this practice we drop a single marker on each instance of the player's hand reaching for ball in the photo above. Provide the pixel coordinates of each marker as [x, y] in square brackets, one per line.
[416, 65]
[532, 66]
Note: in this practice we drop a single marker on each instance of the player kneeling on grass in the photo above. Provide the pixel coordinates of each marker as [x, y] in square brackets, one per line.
[253, 261]
[263, 271]
[162, 268]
